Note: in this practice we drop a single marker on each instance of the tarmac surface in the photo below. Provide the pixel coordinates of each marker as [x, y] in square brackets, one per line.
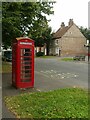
[49, 75]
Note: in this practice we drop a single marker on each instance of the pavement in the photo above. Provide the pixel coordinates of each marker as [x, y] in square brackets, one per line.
[50, 74]
[9, 90]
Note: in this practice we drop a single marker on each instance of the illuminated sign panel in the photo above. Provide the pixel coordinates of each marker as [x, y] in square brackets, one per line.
[25, 43]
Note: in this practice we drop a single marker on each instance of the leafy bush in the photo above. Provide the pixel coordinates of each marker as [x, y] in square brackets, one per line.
[38, 54]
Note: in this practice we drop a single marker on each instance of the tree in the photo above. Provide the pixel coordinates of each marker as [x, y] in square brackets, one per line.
[10, 22]
[27, 18]
[47, 37]
[36, 32]
[85, 32]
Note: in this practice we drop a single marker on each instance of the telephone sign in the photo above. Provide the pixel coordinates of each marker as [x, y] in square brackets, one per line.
[25, 43]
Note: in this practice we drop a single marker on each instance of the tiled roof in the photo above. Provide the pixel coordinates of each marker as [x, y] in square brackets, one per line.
[60, 32]
[63, 29]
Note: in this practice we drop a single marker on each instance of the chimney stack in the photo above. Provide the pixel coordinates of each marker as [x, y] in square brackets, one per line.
[70, 23]
[62, 25]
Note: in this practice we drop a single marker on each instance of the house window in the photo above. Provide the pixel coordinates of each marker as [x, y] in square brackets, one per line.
[88, 41]
[57, 50]
[56, 42]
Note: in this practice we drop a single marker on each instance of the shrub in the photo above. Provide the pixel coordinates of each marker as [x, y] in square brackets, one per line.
[38, 54]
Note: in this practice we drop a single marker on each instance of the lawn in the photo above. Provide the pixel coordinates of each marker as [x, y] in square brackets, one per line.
[62, 103]
[67, 59]
[6, 67]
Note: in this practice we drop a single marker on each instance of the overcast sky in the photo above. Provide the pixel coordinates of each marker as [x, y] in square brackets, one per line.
[69, 9]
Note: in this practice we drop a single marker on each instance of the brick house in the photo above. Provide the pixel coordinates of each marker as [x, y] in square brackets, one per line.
[68, 41]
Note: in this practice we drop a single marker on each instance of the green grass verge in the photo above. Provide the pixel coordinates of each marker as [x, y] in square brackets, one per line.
[46, 57]
[5, 67]
[67, 59]
[62, 103]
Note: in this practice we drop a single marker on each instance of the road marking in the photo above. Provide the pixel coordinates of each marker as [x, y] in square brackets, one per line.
[57, 74]
[41, 73]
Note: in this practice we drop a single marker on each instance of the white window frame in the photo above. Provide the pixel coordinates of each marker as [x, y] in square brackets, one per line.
[56, 41]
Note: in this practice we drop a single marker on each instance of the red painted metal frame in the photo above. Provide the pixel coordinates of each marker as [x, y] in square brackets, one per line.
[16, 62]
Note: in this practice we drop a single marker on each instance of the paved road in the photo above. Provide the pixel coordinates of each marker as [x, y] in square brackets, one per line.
[49, 74]
[53, 74]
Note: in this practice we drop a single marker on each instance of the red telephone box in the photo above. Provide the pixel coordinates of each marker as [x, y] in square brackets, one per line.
[23, 63]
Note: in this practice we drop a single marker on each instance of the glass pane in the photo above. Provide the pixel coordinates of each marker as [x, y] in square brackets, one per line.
[27, 54]
[26, 71]
[27, 50]
[26, 62]
[26, 58]
[25, 76]
[27, 67]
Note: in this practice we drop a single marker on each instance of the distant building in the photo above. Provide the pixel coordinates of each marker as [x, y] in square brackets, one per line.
[41, 49]
[68, 41]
